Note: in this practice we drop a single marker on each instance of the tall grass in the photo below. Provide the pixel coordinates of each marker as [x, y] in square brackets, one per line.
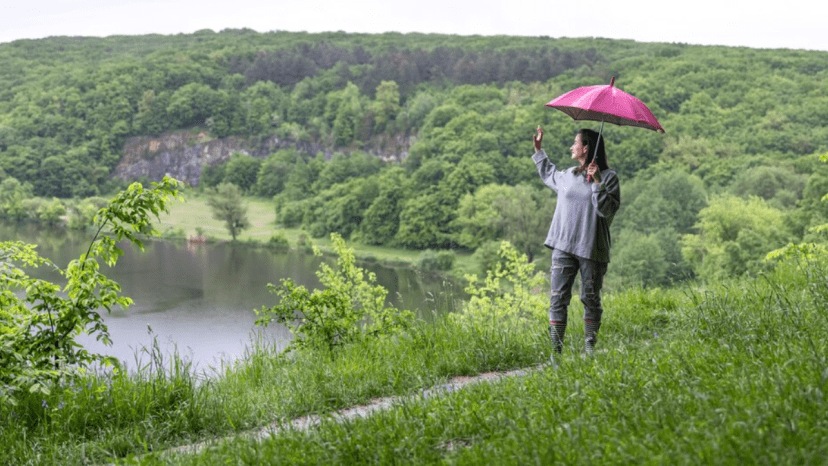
[730, 373]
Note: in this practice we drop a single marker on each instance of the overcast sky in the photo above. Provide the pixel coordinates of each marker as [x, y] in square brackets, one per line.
[795, 24]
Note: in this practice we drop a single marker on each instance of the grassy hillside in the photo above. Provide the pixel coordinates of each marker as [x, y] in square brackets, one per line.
[734, 373]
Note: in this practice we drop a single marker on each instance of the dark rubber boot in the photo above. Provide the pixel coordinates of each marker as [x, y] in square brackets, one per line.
[591, 335]
[557, 330]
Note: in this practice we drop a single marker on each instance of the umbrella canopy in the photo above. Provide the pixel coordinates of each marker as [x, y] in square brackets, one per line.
[606, 103]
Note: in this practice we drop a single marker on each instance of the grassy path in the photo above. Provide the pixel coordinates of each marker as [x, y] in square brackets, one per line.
[305, 423]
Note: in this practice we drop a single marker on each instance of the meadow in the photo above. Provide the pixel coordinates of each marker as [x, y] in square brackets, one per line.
[186, 219]
[730, 373]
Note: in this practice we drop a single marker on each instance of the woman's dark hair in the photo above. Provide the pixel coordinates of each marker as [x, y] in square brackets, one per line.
[590, 139]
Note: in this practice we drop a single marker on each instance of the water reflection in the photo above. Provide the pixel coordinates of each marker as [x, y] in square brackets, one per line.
[198, 299]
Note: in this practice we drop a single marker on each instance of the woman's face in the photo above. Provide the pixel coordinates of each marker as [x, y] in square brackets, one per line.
[579, 150]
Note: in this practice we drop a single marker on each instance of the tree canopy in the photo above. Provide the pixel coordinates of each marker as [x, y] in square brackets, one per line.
[456, 113]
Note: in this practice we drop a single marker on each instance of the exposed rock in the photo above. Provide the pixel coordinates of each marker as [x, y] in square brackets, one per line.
[184, 154]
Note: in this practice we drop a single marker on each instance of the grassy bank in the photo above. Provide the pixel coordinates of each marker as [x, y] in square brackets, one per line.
[186, 218]
[732, 374]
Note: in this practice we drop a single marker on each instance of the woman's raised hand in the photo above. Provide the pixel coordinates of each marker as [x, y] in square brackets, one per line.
[538, 138]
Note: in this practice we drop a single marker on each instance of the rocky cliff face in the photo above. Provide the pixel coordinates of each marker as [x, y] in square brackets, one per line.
[183, 155]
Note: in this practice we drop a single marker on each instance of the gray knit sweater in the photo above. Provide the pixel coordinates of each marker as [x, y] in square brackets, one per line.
[584, 212]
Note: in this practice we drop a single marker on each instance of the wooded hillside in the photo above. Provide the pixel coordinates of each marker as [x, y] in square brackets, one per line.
[744, 128]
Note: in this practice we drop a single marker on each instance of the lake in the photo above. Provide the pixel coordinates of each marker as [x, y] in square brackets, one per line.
[198, 300]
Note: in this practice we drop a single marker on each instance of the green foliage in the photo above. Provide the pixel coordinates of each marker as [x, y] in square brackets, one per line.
[278, 242]
[213, 175]
[386, 106]
[81, 214]
[458, 110]
[51, 212]
[339, 209]
[816, 248]
[12, 195]
[431, 261]
[486, 256]
[270, 180]
[229, 207]
[640, 260]
[734, 236]
[779, 185]
[426, 221]
[517, 214]
[350, 306]
[39, 320]
[662, 199]
[242, 170]
[382, 217]
[511, 294]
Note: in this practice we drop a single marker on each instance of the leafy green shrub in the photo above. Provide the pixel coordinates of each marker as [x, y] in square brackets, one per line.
[511, 292]
[487, 256]
[39, 320]
[278, 242]
[431, 261]
[291, 214]
[81, 215]
[305, 243]
[348, 308]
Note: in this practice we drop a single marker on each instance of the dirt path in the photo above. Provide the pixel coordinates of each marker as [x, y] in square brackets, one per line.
[379, 404]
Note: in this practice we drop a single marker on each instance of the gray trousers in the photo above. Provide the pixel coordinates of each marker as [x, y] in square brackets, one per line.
[562, 276]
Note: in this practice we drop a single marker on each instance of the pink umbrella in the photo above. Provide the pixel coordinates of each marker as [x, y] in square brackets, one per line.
[606, 103]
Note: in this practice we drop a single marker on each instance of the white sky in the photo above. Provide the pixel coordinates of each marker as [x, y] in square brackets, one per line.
[795, 24]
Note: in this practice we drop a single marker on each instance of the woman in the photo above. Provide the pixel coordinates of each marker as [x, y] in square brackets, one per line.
[588, 197]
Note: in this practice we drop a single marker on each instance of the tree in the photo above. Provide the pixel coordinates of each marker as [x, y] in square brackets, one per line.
[349, 307]
[273, 172]
[228, 207]
[640, 261]
[779, 185]
[262, 107]
[40, 320]
[192, 104]
[386, 105]
[343, 111]
[242, 170]
[339, 209]
[660, 199]
[426, 221]
[734, 235]
[517, 214]
[382, 218]
[12, 195]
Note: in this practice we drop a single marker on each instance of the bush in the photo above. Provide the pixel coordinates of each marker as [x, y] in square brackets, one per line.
[510, 294]
[39, 320]
[487, 256]
[350, 306]
[431, 261]
[278, 242]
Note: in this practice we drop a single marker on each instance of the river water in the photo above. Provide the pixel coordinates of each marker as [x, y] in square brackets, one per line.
[198, 300]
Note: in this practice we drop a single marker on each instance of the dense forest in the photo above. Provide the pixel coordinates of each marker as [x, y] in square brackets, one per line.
[737, 174]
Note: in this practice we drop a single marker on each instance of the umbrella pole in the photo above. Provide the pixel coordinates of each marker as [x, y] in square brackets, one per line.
[595, 153]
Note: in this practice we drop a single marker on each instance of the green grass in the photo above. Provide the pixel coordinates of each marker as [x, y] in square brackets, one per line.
[193, 213]
[185, 218]
[728, 376]
[732, 374]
